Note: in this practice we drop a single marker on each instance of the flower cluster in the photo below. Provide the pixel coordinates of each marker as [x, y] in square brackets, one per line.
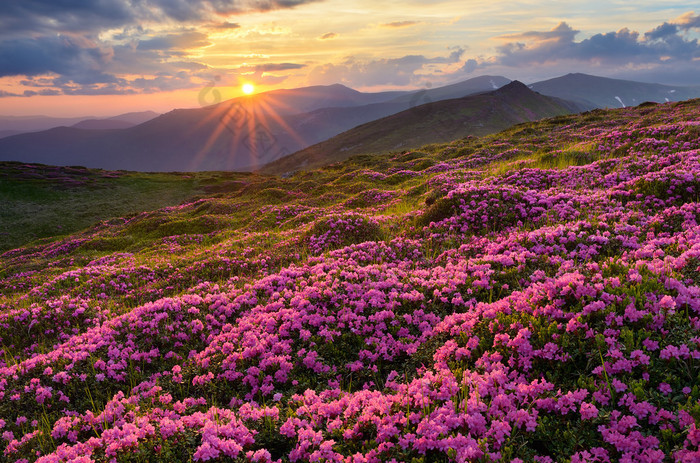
[505, 307]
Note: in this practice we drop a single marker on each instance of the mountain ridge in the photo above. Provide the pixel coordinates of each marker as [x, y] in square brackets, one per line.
[247, 133]
[241, 133]
[435, 122]
[605, 92]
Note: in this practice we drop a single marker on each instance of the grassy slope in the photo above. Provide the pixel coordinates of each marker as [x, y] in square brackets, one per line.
[38, 201]
[436, 122]
[251, 227]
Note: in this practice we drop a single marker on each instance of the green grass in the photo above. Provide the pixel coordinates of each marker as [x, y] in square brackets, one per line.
[41, 201]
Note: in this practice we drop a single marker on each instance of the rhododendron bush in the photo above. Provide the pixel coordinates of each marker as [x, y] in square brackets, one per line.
[529, 297]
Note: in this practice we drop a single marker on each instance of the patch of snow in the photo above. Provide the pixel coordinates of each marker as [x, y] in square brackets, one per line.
[530, 86]
[348, 148]
[672, 91]
[620, 100]
[667, 100]
[493, 84]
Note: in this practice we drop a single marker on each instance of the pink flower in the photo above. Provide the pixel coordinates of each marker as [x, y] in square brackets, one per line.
[665, 388]
[588, 411]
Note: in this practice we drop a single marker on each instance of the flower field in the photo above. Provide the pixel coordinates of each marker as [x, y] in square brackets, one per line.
[532, 296]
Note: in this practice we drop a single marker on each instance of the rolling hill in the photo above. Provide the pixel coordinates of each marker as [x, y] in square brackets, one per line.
[435, 122]
[14, 125]
[123, 121]
[527, 296]
[240, 134]
[215, 137]
[247, 133]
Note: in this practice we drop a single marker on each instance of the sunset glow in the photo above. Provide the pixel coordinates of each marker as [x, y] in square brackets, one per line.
[154, 55]
[248, 89]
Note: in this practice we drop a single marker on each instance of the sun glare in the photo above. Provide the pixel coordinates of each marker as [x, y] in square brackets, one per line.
[248, 89]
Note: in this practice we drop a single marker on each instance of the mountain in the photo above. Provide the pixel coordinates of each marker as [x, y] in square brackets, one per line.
[328, 122]
[436, 122]
[306, 99]
[122, 121]
[14, 125]
[458, 90]
[602, 92]
[10, 125]
[240, 134]
[7, 133]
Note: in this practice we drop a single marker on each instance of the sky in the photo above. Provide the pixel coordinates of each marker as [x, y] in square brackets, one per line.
[106, 57]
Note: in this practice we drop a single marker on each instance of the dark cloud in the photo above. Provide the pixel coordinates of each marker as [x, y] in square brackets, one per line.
[46, 16]
[662, 31]
[64, 55]
[620, 48]
[62, 40]
[43, 92]
[397, 24]
[455, 55]
[328, 35]
[470, 66]
[82, 16]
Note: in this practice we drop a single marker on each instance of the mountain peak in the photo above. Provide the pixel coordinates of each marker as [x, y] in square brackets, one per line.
[513, 87]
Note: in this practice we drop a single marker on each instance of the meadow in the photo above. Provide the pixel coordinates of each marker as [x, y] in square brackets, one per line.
[530, 296]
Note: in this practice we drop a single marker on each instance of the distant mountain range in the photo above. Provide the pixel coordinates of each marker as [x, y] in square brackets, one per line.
[601, 92]
[13, 125]
[247, 133]
[123, 121]
[240, 134]
[437, 122]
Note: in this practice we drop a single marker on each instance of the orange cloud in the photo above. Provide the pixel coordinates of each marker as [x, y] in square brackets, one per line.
[397, 24]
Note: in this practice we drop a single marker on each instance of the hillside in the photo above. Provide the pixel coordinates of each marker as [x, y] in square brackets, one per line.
[527, 296]
[240, 134]
[121, 121]
[217, 137]
[601, 92]
[14, 125]
[435, 122]
[40, 201]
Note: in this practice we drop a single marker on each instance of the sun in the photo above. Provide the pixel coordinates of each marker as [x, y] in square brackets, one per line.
[248, 89]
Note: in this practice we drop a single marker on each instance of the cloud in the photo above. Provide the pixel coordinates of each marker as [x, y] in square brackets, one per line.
[666, 53]
[561, 33]
[77, 46]
[662, 31]
[64, 55]
[688, 21]
[399, 24]
[402, 71]
[181, 41]
[226, 25]
[272, 67]
[620, 48]
[81, 16]
[328, 36]
[470, 66]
